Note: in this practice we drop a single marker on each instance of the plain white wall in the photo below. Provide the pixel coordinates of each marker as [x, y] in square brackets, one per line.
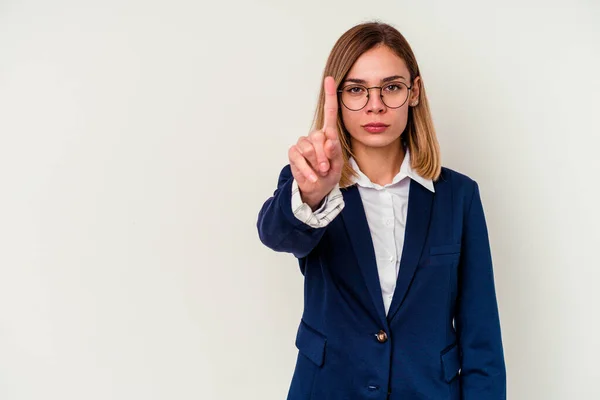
[139, 139]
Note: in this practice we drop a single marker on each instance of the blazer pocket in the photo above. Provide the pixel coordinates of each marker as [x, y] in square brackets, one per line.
[450, 363]
[444, 249]
[444, 255]
[311, 343]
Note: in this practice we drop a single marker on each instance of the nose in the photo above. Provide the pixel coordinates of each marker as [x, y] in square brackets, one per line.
[374, 103]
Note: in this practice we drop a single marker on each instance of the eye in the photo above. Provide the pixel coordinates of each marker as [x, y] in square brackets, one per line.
[394, 87]
[356, 90]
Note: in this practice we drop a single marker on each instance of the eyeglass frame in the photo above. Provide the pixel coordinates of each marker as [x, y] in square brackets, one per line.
[380, 95]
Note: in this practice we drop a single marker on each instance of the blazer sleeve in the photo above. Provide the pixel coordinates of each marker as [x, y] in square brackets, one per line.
[483, 372]
[278, 227]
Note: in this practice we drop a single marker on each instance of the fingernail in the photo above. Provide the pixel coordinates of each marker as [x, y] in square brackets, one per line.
[323, 166]
[313, 178]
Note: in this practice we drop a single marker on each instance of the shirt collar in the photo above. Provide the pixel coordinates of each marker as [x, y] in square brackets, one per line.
[405, 171]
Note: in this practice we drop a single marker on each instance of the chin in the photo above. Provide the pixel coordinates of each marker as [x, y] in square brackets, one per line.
[376, 140]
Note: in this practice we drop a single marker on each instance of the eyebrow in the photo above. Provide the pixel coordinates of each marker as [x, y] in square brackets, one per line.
[384, 80]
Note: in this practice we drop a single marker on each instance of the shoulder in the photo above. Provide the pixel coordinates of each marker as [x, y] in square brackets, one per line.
[455, 177]
[456, 182]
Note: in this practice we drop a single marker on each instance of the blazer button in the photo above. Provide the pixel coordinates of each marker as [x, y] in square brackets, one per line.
[381, 336]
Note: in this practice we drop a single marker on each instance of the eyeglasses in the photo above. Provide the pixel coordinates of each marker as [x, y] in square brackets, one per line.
[355, 97]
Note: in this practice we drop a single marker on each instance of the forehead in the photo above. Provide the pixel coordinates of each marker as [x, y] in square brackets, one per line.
[378, 63]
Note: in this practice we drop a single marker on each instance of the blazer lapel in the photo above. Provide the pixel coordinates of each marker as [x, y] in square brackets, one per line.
[357, 226]
[420, 201]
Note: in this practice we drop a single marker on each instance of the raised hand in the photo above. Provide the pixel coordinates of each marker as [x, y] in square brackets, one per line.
[316, 160]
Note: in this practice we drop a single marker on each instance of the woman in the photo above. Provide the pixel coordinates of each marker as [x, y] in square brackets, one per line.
[399, 299]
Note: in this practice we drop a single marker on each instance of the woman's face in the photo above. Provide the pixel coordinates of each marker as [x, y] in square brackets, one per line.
[378, 67]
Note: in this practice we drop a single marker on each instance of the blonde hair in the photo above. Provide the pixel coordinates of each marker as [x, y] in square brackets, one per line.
[419, 135]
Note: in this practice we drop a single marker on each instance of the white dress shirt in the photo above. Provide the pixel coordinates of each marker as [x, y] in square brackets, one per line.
[386, 210]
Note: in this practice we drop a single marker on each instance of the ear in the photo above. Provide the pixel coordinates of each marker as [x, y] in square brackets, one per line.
[415, 91]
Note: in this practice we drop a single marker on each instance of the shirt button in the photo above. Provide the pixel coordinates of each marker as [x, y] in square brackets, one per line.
[388, 222]
[391, 259]
[381, 336]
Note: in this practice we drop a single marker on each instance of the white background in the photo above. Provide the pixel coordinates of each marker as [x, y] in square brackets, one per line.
[139, 139]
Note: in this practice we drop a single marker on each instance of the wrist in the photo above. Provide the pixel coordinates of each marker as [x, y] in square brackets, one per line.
[314, 202]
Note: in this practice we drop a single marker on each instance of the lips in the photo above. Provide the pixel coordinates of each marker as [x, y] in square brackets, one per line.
[375, 127]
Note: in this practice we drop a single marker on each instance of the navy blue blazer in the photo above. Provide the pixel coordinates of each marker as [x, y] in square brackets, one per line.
[441, 338]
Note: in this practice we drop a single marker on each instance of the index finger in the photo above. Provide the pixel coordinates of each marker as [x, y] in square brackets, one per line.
[330, 109]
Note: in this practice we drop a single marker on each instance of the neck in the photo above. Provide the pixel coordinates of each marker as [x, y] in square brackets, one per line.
[379, 164]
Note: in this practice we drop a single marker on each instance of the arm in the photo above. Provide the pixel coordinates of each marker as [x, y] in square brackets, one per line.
[483, 374]
[298, 230]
